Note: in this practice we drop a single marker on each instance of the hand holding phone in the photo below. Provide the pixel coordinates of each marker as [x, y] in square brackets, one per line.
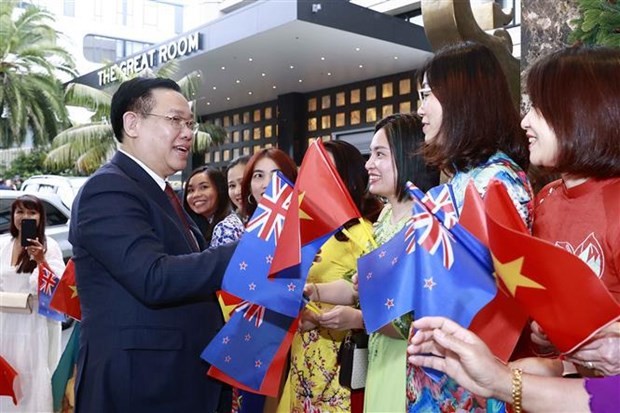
[28, 231]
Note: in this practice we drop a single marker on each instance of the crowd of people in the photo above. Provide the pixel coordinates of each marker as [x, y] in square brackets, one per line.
[10, 183]
[148, 264]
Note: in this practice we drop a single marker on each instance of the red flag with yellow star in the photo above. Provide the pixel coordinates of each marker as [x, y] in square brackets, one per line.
[500, 323]
[321, 204]
[65, 298]
[554, 287]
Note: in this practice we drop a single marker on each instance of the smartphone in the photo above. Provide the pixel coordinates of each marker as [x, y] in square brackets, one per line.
[29, 231]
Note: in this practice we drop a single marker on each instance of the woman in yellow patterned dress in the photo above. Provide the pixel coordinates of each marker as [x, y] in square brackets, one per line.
[312, 384]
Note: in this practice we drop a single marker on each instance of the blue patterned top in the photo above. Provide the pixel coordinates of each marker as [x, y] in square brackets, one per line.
[423, 393]
[227, 230]
[499, 167]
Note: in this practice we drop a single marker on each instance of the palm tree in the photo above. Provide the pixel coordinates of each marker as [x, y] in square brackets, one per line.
[89, 145]
[30, 93]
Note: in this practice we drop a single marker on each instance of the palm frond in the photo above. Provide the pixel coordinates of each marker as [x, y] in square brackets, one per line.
[85, 136]
[92, 159]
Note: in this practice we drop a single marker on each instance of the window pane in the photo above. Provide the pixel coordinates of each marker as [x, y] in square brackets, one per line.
[405, 107]
[404, 86]
[325, 122]
[311, 105]
[387, 110]
[312, 124]
[371, 93]
[387, 90]
[326, 102]
[340, 119]
[371, 115]
[340, 99]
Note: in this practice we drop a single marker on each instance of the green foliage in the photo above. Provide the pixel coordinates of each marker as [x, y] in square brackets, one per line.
[31, 97]
[33, 163]
[86, 147]
[598, 24]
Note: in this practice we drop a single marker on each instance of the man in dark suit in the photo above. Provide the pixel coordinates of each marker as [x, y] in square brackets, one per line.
[147, 293]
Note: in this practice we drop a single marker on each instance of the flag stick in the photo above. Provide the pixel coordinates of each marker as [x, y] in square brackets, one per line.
[368, 233]
[312, 307]
[356, 242]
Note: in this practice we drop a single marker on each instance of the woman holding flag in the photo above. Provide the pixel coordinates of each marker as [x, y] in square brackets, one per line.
[442, 344]
[312, 383]
[393, 161]
[574, 131]
[472, 134]
[29, 342]
[256, 177]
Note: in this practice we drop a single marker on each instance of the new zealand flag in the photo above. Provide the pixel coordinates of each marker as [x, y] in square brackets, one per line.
[426, 269]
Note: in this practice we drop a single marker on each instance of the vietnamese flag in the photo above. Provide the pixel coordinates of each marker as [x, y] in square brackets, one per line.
[65, 298]
[556, 288]
[321, 204]
[9, 381]
[228, 302]
[500, 323]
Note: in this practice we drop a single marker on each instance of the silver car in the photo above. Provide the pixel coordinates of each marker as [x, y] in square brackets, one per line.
[56, 212]
[66, 187]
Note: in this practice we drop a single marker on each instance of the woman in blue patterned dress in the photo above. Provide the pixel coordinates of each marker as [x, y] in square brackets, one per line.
[472, 132]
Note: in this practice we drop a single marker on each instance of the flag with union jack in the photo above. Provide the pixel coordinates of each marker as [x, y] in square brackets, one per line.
[268, 219]
[320, 206]
[48, 281]
[439, 200]
[250, 351]
[426, 269]
[247, 273]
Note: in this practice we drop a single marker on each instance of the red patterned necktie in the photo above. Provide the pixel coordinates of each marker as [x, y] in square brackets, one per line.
[174, 200]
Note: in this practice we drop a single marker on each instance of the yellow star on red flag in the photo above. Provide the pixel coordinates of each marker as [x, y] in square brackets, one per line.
[510, 273]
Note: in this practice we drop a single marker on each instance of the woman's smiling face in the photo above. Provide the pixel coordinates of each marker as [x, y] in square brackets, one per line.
[382, 174]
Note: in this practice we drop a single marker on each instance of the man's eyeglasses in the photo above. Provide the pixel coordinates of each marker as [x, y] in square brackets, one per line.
[178, 122]
[424, 93]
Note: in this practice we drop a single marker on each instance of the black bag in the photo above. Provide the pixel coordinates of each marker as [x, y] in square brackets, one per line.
[353, 360]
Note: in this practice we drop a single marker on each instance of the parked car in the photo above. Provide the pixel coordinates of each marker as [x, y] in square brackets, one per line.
[56, 212]
[66, 187]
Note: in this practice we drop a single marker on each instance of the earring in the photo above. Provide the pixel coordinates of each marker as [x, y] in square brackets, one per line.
[251, 199]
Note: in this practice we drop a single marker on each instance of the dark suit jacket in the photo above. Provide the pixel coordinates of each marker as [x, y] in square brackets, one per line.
[148, 306]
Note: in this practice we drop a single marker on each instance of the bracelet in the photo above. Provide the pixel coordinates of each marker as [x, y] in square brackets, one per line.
[517, 387]
[316, 291]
